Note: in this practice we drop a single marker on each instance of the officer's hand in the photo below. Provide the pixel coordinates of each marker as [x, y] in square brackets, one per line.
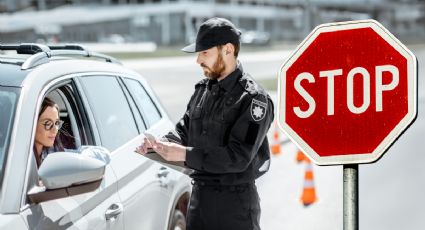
[170, 151]
[144, 147]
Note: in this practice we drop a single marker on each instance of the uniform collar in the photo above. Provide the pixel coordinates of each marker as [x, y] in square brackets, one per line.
[228, 82]
[211, 84]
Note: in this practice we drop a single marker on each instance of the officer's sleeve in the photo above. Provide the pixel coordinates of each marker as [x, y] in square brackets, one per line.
[245, 139]
[179, 133]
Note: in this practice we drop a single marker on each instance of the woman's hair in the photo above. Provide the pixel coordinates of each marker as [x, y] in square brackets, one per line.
[47, 102]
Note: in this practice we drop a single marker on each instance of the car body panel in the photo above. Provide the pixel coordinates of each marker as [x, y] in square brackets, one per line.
[12, 221]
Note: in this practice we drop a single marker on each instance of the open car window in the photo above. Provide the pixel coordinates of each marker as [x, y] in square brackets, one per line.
[75, 130]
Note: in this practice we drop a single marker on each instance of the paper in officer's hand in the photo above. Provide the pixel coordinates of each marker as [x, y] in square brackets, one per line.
[151, 138]
[151, 154]
[146, 146]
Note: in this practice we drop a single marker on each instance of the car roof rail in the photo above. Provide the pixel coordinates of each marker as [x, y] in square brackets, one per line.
[41, 54]
[67, 47]
[26, 48]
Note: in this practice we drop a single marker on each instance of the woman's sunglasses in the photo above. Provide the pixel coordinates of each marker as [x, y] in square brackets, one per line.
[48, 125]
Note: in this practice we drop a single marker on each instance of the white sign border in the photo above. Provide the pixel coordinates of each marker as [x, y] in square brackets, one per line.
[398, 129]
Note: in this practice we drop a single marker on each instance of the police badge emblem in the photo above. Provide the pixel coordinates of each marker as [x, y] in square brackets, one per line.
[258, 110]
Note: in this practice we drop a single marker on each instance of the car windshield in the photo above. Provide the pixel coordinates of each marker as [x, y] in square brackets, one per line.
[8, 99]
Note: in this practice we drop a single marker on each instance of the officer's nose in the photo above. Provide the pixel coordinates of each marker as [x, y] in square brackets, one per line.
[198, 60]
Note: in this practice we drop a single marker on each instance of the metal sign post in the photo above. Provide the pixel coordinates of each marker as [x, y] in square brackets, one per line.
[351, 197]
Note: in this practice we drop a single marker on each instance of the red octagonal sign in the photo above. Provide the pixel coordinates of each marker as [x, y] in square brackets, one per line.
[347, 92]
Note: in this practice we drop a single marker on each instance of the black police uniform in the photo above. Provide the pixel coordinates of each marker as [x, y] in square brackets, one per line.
[225, 129]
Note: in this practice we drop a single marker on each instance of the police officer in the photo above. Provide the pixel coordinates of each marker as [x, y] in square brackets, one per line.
[222, 135]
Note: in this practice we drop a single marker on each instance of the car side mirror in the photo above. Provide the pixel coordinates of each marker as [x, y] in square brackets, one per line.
[66, 174]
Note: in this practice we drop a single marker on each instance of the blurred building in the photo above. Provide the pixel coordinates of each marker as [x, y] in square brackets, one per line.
[176, 21]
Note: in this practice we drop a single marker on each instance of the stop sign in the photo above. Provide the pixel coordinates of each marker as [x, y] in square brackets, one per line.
[347, 92]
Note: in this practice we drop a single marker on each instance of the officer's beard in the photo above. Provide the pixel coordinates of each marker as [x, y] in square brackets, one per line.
[216, 70]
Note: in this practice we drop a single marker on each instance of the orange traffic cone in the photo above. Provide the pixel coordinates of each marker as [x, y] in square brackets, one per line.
[308, 196]
[301, 157]
[275, 145]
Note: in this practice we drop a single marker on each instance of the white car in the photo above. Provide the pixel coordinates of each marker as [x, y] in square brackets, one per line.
[102, 104]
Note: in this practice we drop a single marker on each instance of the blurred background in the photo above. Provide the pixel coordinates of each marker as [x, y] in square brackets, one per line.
[169, 22]
[146, 35]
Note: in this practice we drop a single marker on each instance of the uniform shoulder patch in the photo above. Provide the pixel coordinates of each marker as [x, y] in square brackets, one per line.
[258, 110]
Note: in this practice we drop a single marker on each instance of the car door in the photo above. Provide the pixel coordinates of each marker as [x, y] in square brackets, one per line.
[143, 185]
[99, 209]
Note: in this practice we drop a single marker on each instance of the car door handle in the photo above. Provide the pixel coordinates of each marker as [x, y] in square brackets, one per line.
[162, 172]
[162, 175]
[113, 211]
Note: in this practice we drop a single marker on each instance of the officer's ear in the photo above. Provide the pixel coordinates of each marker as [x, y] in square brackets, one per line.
[228, 49]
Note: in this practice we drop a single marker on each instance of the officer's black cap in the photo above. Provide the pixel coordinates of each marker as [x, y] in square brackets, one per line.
[214, 32]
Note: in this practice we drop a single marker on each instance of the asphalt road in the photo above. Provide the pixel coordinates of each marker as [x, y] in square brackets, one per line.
[390, 190]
